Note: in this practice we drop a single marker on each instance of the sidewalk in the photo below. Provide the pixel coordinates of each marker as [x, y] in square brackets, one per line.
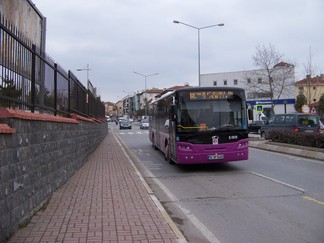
[105, 201]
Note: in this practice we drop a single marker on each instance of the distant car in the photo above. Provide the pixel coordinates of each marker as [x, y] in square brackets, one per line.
[125, 124]
[144, 124]
[255, 126]
[166, 124]
[297, 122]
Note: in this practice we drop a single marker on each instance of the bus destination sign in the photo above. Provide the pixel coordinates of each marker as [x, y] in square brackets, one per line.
[210, 95]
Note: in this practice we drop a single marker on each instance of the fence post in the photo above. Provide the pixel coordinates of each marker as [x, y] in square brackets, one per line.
[33, 78]
[69, 91]
[55, 89]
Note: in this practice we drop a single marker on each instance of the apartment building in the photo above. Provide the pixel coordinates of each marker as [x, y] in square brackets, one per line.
[256, 85]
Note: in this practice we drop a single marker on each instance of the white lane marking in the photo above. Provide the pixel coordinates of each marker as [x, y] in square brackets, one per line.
[277, 181]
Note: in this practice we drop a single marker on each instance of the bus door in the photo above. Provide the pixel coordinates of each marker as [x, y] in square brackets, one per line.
[172, 132]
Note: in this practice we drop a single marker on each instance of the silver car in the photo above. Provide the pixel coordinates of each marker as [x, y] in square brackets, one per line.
[144, 124]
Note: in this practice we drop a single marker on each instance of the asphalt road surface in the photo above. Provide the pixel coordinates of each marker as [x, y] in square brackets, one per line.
[269, 198]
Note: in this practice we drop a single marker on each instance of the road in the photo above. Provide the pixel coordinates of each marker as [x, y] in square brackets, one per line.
[269, 198]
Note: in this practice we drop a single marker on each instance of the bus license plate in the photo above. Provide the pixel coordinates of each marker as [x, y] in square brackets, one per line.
[215, 156]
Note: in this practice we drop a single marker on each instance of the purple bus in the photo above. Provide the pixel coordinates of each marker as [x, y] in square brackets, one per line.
[200, 125]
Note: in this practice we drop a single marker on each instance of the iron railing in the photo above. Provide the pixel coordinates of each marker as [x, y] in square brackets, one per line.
[31, 80]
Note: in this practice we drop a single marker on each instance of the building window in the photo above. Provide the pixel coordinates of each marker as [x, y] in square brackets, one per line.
[235, 82]
[259, 80]
[225, 82]
[301, 90]
[215, 83]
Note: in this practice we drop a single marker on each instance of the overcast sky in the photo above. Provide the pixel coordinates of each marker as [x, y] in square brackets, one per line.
[117, 37]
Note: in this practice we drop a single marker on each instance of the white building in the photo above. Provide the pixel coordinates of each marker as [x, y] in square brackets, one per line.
[256, 84]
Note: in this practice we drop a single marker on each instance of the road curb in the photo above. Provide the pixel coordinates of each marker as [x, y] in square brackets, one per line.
[164, 213]
[265, 145]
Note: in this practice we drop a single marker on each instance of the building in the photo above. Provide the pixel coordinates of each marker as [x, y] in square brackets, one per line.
[132, 103]
[312, 88]
[256, 84]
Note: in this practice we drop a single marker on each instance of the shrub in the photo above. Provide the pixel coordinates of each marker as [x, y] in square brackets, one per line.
[315, 140]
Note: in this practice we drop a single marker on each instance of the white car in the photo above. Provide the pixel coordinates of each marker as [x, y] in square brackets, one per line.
[144, 124]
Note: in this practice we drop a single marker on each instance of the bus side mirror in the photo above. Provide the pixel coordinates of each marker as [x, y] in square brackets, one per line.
[250, 114]
[172, 112]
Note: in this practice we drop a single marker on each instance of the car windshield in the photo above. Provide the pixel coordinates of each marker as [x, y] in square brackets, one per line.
[197, 116]
[124, 121]
[308, 120]
[145, 121]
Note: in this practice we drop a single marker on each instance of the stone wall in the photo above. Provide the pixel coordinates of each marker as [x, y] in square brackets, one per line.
[37, 159]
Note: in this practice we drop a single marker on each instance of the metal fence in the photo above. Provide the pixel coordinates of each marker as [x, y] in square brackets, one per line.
[31, 80]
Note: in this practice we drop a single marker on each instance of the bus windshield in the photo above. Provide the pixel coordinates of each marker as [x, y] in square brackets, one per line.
[209, 115]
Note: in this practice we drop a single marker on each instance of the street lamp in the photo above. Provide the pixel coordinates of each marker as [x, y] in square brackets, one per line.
[145, 76]
[198, 28]
[86, 69]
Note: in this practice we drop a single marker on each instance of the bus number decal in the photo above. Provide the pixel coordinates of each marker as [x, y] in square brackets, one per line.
[232, 137]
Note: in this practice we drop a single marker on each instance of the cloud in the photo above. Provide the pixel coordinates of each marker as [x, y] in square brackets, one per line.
[118, 37]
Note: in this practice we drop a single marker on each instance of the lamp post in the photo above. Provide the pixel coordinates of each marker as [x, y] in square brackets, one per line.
[86, 69]
[198, 28]
[145, 76]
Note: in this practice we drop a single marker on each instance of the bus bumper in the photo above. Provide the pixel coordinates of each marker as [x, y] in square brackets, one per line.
[208, 153]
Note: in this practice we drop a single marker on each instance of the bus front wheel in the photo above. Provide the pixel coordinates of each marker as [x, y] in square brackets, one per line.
[167, 155]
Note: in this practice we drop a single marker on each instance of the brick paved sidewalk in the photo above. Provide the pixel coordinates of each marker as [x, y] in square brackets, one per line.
[105, 201]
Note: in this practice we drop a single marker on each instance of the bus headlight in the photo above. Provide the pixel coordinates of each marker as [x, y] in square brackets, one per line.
[243, 144]
[184, 147]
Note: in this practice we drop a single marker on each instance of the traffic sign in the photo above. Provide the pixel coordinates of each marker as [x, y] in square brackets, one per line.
[259, 108]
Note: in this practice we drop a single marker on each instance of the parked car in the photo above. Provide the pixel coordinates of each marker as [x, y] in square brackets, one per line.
[255, 126]
[125, 124]
[298, 122]
[144, 124]
[321, 127]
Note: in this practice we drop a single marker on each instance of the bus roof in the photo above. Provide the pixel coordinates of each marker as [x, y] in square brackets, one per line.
[163, 96]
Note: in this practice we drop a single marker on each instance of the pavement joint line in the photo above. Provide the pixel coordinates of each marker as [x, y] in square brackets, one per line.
[164, 213]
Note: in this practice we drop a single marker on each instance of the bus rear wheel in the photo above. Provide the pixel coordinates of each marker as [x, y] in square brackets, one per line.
[167, 155]
[153, 143]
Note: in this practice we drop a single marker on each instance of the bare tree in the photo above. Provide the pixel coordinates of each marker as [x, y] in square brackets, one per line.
[310, 72]
[274, 78]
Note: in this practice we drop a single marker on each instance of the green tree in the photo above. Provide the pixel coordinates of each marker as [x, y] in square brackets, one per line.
[9, 89]
[300, 101]
[140, 112]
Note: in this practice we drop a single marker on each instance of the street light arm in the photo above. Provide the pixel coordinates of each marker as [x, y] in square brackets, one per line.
[197, 28]
[209, 26]
[146, 75]
[178, 22]
[139, 73]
